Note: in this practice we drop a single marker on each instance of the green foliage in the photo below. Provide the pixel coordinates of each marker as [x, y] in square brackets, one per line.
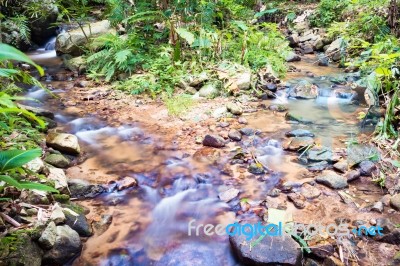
[14, 159]
[327, 12]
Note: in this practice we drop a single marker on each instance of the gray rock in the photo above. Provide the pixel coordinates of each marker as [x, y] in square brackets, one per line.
[63, 142]
[48, 237]
[82, 189]
[279, 250]
[37, 111]
[234, 108]
[367, 168]
[235, 135]
[320, 154]
[199, 79]
[256, 169]
[318, 44]
[318, 166]
[213, 141]
[341, 166]
[36, 165]
[75, 64]
[323, 60]
[352, 175]
[229, 194]
[220, 112]
[395, 202]
[299, 133]
[297, 143]
[304, 90]
[292, 57]
[70, 42]
[360, 152]
[78, 223]
[242, 120]
[297, 118]
[247, 131]
[57, 160]
[332, 180]
[209, 90]
[34, 197]
[310, 192]
[67, 246]
[58, 176]
[26, 252]
[333, 50]
[378, 207]
[57, 215]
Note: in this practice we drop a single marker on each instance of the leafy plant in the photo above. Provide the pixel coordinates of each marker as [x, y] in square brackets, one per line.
[14, 159]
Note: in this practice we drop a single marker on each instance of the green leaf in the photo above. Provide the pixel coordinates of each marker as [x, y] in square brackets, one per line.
[6, 72]
[26, 113]
[11, 181]
[37, 186]
[122, 56]
[268, 11]
[16, 158]
[8, 52]
[186, 35]
[383, 71]
[395, 163]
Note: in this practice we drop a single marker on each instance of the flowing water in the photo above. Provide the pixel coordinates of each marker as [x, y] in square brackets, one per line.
[150, 223]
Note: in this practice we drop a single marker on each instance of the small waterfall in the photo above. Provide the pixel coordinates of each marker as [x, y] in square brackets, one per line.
[50, 45]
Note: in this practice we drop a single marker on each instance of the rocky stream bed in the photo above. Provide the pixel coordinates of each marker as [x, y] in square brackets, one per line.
[138, 175]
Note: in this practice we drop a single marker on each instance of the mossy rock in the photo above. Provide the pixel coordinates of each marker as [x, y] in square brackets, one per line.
[19, 249]
[61, 198]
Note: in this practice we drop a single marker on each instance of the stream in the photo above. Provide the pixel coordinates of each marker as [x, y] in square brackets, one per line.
[150, 222]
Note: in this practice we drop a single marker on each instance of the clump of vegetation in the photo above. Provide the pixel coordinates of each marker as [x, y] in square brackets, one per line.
[178, 104]
[327, 12]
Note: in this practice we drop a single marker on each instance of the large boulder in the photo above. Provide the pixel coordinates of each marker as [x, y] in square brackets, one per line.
[63, 142]
[304, 90]
[276, 250]
[22, 251]
[42, 28]
[333, 50]
[70, 42]
[66, 246]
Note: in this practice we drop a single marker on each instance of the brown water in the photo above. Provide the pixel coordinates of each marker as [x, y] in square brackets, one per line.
[150, 222]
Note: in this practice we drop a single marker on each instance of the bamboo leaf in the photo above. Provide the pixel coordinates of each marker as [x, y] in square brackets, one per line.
[11, 181]
[37, 186]
[8, 52]
[16, 158]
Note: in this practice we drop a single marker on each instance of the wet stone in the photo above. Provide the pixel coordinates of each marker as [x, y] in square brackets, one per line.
[320, 154]
[274, 192]
[242, 121]
[367, 168]
[297, 143]
[229, 194]
[318, 166]
[341, 166]
[298, 200]
[299, 133]
[395, 202]
[352, 175]
[213, 141]
[235, 135]
[78, 223]
[234, 109]
[247, 131]
[310, 192]
[279, 250]
[378, 207]
[332, 180]
[256, 169]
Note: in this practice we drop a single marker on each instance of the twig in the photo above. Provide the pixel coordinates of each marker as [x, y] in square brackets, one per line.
[10, 220]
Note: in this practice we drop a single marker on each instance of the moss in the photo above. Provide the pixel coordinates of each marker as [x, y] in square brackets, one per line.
[75, 207]
[62, 198]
